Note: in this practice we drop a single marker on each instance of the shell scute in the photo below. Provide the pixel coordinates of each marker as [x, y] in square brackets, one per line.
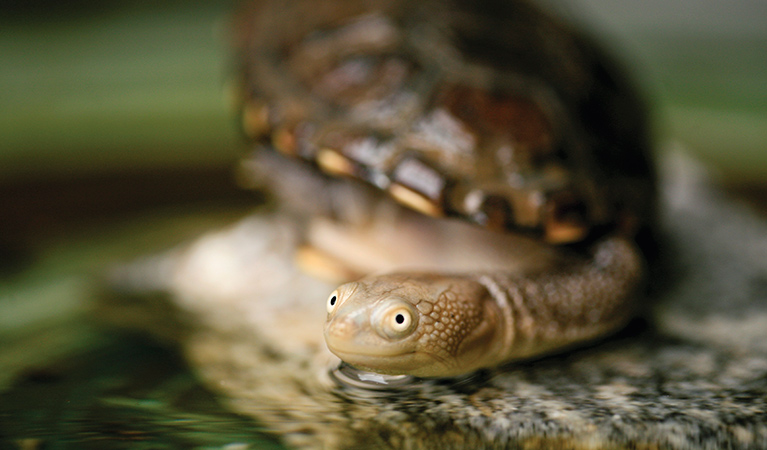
[504, 117]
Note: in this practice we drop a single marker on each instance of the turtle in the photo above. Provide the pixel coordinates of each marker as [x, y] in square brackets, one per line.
[488, 123]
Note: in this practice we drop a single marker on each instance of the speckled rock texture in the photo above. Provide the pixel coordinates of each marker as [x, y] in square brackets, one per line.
[691, 375]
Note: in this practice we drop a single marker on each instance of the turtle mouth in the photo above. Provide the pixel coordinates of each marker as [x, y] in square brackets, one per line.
[385, 363]
[402, 362]
[350, 354]
[349, 351]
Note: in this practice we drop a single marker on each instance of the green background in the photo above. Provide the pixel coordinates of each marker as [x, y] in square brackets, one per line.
[104, 86]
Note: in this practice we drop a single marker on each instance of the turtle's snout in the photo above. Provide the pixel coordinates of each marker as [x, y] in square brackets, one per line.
[341, 329]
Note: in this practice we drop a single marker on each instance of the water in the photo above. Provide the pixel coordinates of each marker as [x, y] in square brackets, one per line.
[123, 392]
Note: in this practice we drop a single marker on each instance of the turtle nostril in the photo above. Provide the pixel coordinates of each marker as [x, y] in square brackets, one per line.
[345, 327]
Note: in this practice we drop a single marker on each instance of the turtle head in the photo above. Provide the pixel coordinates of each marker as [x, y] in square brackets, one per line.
[417, 324]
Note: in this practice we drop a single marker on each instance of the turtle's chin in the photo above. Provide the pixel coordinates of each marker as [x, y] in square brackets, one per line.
[389, 361]
[393, 362]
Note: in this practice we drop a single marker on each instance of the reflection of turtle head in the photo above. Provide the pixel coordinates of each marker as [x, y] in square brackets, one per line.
[416, 324]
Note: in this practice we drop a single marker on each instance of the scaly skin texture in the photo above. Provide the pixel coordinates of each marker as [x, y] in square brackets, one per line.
[438, 325]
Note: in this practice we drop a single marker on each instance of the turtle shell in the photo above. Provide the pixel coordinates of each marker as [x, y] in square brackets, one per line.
[491, 111]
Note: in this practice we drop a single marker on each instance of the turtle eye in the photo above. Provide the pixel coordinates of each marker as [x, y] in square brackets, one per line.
[398, 321]
[401, 320]
[333, 302]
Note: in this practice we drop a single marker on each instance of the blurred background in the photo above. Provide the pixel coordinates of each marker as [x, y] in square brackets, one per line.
[704, 64]
[117, 139]
[107, 106]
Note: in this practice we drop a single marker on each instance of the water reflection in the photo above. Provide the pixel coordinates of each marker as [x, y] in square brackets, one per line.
[353, 378]
[121, 393]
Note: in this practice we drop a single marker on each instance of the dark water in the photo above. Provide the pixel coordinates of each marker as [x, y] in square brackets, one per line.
[122, 393]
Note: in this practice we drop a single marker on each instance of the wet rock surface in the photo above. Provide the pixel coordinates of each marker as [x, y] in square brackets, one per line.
[691, 374]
